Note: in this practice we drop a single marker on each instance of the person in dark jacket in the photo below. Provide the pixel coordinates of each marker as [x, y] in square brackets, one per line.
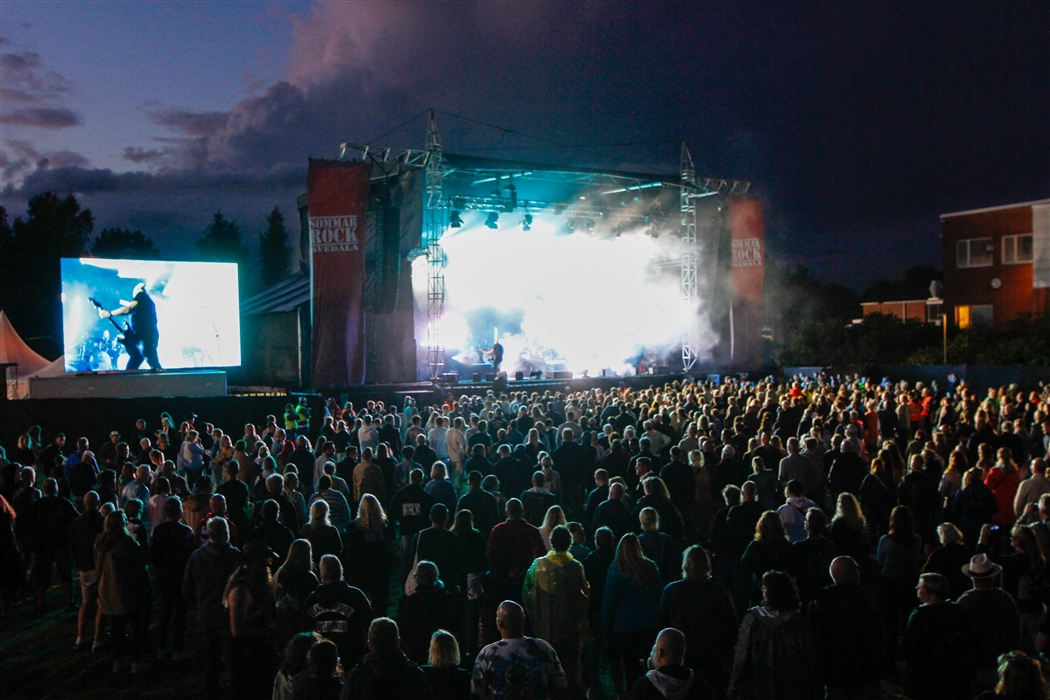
[851, 659]
[170, 548]
[272, 529]
[46, 524]
[537, 500]
[443, 547]
[938, 645]
[83, 532]
[949, 559]
[385, 672]
[703, 611]
[974, 505]
[320, 682]
[203, 585]
[769, 551]
[447, 679]
[993, 615]
[429, 609]
[776, 656]
[596, 568]
[847, 471]
[612, 513]
[338, 611]
[481, 504]
[670, 676]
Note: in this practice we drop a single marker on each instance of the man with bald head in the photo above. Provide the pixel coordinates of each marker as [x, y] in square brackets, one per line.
[668, 677]
[517, 666]
[851, 661]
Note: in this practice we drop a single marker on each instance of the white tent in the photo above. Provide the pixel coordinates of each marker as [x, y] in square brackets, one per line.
[14, 350]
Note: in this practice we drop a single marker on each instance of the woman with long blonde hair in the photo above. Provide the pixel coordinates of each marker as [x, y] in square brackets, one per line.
[368, 546]
[555, 516]
[292, 583]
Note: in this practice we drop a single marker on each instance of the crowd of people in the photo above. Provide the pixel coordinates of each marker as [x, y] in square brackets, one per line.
[803, 539]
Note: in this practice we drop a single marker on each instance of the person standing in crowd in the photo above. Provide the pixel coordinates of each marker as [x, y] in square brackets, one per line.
[339, 612]
[249, 604]
[516, 666]
[851, 661]
[630, 606]
[385, 671]
[83, 532]
[900, 556]
[368, 541]
[702, 611]
[428, 609]
[447, 679]
[937, 645]
[46, 524]
[669, 676]
[994, 618]
[556, 596]
[776, 655]
[171, 545]
[122, 581]
[204, 586]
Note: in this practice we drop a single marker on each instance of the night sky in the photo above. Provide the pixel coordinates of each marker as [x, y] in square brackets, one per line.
[857, 123]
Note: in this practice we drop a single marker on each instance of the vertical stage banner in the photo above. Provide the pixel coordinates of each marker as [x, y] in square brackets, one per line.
[746, 281]
[337, 200]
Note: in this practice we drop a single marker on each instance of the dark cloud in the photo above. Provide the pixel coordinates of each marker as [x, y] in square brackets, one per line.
[187, 122]
[151, 156]
[42, 118]
[27, 82]
[21, 157]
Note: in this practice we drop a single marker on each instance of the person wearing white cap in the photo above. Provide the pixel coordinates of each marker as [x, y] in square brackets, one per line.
[993, 615]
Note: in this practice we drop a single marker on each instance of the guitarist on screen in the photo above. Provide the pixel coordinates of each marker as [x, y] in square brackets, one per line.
[144, 335]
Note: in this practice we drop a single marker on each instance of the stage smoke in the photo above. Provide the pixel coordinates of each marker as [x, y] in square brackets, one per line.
[585, 303]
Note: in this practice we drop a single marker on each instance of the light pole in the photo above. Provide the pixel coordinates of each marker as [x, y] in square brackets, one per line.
[944, 327]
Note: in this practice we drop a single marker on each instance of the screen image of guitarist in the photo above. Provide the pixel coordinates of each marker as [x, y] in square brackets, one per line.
[141, 336]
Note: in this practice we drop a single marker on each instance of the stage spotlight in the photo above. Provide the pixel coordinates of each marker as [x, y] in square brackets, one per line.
[459, 203]
[588, 227]
[570, 225]
[492, 220]
[454, 220]
[526, 222]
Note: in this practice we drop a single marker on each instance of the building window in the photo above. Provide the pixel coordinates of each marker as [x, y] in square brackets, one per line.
[1017, 250]
[975, 315]
[974, 252]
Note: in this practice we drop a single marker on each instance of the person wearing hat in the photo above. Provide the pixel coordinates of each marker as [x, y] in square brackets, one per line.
[144, 335]
[993, 615]
[107, 454]
[937, 645]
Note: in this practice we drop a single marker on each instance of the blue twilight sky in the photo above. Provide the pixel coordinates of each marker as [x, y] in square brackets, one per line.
[858, 123]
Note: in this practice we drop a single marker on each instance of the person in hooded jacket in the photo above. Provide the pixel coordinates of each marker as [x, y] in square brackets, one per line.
[123, 584]
[668, 677]
[385, 672]
[776, 654]
[339, 612]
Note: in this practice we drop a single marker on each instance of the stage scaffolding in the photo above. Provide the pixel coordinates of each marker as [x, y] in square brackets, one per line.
[437, 205]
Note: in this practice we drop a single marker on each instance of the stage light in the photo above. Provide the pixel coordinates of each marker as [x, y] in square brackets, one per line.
[588, 227]
[492, 220]
[570, 225]
[526, 222]
[454, 220]
[459, 203]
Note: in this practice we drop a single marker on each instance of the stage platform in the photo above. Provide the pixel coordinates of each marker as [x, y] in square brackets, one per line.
[130, 385]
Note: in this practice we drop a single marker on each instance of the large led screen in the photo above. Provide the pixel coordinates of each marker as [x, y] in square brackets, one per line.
[187, 313]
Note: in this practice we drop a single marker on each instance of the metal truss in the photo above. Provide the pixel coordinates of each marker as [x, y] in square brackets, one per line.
[434, 225]
[690, 259]
[385, 154]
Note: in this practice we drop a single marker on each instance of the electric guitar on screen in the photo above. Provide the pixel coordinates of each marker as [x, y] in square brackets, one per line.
[127, 337]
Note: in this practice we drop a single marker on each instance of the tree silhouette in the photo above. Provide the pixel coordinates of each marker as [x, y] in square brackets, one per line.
[30, 277]
[274, 249]
[120, 243]
[222, 241]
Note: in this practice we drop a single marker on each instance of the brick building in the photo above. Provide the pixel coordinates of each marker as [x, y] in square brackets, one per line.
[996, 263]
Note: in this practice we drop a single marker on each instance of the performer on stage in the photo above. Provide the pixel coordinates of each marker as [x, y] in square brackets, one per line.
[143, 337]
[497, 356]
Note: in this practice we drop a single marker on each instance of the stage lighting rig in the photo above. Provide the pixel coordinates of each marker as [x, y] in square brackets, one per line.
[454, 219]
[492, 220]
[588, 227]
